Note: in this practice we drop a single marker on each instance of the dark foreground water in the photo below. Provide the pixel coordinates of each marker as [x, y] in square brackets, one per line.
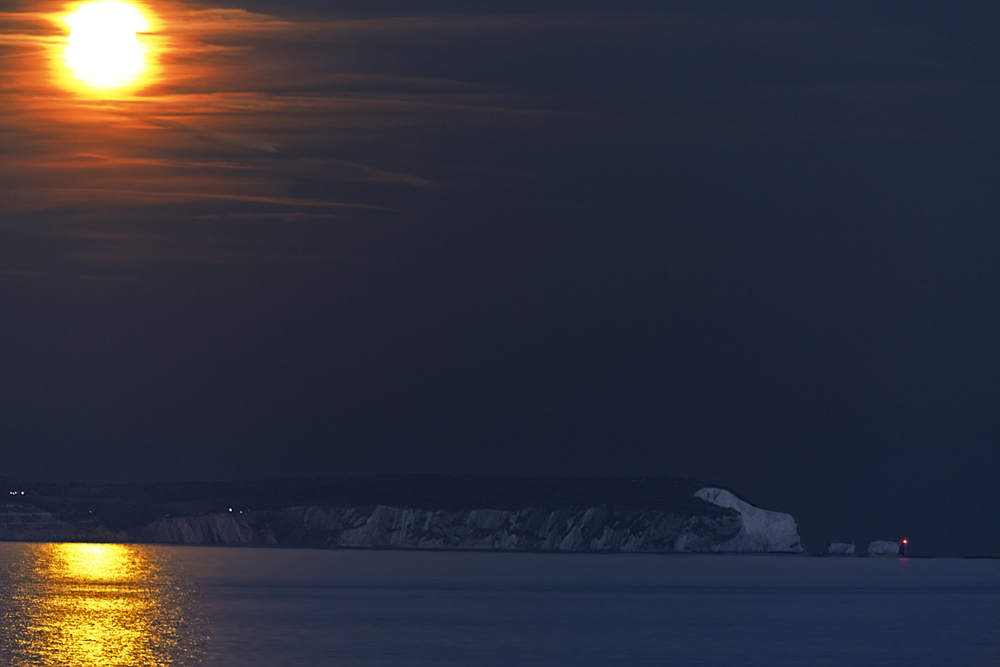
[76, 605]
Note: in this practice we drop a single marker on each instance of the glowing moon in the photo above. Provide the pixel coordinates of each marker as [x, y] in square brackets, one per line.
[103, 50]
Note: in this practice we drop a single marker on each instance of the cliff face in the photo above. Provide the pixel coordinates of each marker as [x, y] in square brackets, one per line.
[762, 531]
[602, 528]
[652, 515]
[23, 523]
[29, 524]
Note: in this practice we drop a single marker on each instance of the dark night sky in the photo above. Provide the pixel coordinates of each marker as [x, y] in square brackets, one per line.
[755, 243]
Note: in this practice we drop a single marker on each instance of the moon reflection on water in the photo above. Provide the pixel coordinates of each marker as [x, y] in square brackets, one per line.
[100, 605]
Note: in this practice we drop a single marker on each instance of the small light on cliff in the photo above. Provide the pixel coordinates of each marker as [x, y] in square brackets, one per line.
[230, 509]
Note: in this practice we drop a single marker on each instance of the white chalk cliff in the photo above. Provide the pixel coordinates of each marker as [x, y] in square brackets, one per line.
[603, 515]
[724, 524]
[763, 531]
[884, 548]
[602, 528]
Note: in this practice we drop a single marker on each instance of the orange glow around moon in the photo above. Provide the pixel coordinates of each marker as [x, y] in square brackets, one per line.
[104, 51]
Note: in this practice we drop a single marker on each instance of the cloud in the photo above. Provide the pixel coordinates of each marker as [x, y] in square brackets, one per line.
[250, 109]
[194, 134]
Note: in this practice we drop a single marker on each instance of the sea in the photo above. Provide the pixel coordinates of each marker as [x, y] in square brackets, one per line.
[109, 605]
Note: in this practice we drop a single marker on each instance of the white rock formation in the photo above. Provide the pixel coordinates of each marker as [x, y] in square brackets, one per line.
[840, 548]
[763, 531]
[883, 548]
[602, 528]
[730, 526]
[225, 528]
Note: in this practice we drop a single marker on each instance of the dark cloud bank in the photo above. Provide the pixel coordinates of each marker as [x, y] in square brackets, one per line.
[757, 246]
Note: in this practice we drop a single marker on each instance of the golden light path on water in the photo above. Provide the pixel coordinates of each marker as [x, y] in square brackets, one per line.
[103, 605]
[104, 51]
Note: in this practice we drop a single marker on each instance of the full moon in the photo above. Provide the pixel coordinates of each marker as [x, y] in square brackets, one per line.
[103, 50]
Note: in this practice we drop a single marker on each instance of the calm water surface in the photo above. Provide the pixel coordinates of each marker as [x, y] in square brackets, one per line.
[76, 605]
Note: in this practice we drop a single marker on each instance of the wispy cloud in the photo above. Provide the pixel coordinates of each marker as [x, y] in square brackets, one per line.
[293, 120]
[214, 106]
